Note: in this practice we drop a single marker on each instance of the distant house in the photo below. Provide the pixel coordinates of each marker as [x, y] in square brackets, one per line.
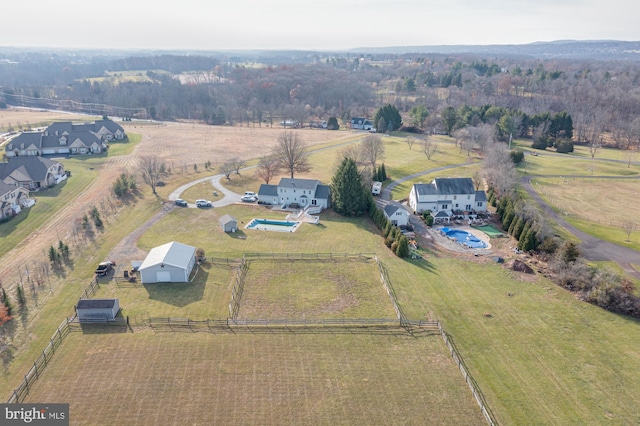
[12, 199]
[228, 223]
[97, 310]
[361, 124]
[297, 192]
[64, 138]
[447, 196]
[396, 214]
[32, 173]
[171, 262]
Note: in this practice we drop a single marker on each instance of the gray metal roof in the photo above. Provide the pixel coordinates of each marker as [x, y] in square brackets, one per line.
[172, 254]
[96, 303]
[425, 189]
[268, 190]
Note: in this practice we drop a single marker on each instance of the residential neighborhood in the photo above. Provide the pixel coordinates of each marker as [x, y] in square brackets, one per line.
[66, 138]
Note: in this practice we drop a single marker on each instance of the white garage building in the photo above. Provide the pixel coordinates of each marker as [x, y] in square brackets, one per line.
[168, 263]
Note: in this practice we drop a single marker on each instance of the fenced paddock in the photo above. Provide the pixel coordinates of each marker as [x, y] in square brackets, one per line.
[261, 379]
[311, 286]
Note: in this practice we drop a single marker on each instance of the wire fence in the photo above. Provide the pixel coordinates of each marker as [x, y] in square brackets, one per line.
[310, 256]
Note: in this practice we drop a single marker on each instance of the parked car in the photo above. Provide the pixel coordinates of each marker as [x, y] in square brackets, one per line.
[104, 268]
[249, 198]
[203, 203]
[180, 202]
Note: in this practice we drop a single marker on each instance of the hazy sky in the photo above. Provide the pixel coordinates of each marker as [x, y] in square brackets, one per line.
[316, 25]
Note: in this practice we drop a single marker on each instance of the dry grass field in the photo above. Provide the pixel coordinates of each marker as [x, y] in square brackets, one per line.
[144, 378]
[314, 289]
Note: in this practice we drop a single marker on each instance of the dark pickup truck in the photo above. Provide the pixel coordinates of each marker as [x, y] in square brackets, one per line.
[104, 268]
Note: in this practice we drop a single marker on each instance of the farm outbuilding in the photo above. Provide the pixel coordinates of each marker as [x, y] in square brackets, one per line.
[168, 263]
[228, 223]
[92, 310]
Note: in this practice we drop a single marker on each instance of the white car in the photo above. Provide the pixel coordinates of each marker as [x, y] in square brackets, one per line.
[203, 203]
[249, 198]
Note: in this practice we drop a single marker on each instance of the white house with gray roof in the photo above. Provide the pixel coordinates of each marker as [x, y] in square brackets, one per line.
[296, 192]
[447, 195]
[396, 214]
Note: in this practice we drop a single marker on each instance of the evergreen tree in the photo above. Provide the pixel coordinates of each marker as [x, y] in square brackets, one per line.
[402, 250]
[383, 173]
[348, 195]
[391, 117]
[54, 257]
[22, 300]
[6, 301]
[525, 231]
[518, 227]
[529, 242]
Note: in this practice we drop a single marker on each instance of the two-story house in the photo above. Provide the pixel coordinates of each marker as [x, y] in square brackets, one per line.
[296, 192]
[446, 196]
[11, 199]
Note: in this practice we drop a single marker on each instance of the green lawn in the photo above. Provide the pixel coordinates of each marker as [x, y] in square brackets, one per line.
[48, 202]
[125, 146]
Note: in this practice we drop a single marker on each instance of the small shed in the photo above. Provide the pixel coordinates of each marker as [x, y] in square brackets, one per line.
[228, 223]
[95, 310]
[168, 263]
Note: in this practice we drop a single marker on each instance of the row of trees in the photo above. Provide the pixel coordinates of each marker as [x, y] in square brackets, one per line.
[601, 98]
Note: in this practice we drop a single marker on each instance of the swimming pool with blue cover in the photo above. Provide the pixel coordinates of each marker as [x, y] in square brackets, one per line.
[463, 237]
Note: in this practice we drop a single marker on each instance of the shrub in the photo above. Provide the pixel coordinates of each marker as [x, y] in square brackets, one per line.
[564, 146]
[517, 155]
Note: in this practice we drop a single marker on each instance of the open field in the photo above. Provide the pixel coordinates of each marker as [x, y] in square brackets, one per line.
[23, 118]
[314, 289]
[599, 207]
[144, 378]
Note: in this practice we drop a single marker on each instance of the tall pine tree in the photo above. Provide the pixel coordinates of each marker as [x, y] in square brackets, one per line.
[348, 195]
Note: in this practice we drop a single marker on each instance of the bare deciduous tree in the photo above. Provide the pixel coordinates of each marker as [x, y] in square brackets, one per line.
[410, 141]
[628, 227]
[237, 164]
[499, 170]
[291, 153]
[226, 169]
[152, 170]
[372, 150]
[429, 147]
[267, 168]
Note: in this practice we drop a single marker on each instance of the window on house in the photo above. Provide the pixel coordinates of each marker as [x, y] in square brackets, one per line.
[468, 197]
[445, 206]
[456, 205]
[455, 197]
[479, 203]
